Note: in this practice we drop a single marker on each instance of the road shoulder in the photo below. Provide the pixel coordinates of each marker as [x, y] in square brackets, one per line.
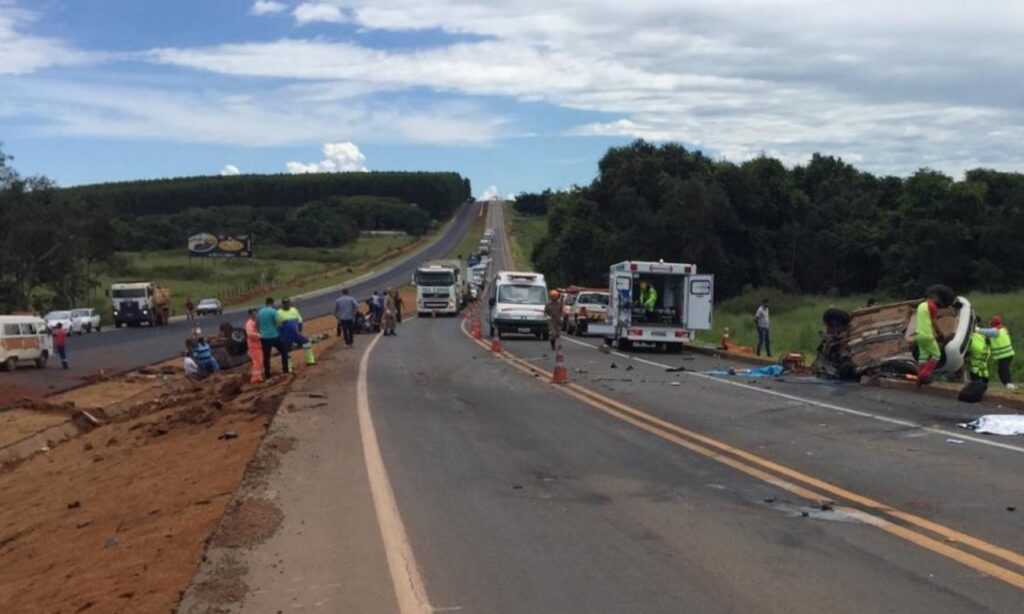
[302, 532]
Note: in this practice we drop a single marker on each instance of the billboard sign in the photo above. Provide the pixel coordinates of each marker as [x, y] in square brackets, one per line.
[206, 244]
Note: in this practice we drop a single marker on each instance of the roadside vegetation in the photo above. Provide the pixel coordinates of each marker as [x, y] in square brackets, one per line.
[280, 270]
[469, 242]
[61, 248]
[525, 233]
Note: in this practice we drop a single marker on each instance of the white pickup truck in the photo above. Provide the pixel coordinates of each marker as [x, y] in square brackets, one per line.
[683, 305]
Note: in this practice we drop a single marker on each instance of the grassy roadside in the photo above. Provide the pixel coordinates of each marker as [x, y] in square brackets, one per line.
[282, 271]
[524, 234]
[796, 320]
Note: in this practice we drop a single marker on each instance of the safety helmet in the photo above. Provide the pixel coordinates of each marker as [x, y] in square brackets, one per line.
[553, 294]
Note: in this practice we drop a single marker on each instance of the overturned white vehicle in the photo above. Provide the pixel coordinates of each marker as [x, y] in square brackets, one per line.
[881, 340]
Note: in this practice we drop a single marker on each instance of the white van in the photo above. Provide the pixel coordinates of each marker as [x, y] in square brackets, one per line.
[24, 339]
[517, 303]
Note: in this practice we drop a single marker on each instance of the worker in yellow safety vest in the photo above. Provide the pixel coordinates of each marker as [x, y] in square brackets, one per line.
[648, 300]
[1002, 349]
[978, 353]
[928, 350]
[291, 331]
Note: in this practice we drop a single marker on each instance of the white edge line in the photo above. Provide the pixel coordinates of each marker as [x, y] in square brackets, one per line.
[410, 590]
[822, 404]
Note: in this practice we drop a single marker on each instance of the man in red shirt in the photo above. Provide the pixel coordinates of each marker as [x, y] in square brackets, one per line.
[60, 344]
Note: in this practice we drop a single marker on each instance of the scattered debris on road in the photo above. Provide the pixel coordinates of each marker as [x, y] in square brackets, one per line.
[997, 424]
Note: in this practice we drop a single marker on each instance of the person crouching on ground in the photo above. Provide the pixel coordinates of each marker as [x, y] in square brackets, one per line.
[252, 339]
[978, 353]
[204, 356]
[929, 351]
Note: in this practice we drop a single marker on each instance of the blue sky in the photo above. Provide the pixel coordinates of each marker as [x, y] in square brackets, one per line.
[518, 96]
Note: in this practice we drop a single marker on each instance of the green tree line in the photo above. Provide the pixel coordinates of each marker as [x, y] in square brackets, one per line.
[823, 227]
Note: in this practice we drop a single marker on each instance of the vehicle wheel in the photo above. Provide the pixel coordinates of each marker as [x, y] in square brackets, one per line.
[661, 347]
[836, 318]
[675, 348]
[99, 328]
[498, 334]
[545, 336]
[11, 364]
[581, 328]
[944, 293]
[625, 344]
[492, 330]
[41, 362]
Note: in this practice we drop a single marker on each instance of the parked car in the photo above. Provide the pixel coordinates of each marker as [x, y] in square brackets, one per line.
[589, 306]
[24, 339]
[64, 318]
[209, 307]
[87, 320]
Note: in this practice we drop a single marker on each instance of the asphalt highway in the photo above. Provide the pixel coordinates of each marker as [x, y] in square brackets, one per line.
[118, 349]
[638, 489]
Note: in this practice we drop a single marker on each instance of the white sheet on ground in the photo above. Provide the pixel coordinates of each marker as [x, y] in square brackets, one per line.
[998, 424]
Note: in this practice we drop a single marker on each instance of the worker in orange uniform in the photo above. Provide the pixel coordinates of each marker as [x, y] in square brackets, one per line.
[252, 336]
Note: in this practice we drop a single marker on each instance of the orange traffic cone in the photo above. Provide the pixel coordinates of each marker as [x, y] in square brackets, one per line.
[496, 345]
[560, 375]
[476, 329]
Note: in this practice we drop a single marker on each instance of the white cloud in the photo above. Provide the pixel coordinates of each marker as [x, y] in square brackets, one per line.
[922, 82]
[266, 7]
[338, 158]
[312, 12]
[230, 170]
[490, 192]
[22, 53]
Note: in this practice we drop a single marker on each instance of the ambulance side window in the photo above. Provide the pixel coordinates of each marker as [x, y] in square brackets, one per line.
[28, 329]
[11, 330]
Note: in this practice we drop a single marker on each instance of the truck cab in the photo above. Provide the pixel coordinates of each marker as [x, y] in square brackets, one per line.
[140, 302]
[441, 287]
[682, 304]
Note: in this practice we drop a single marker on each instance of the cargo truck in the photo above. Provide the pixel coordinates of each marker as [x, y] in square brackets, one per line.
[442, 287]
[140, 302]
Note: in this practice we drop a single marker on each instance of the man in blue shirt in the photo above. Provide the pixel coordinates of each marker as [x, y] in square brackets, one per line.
[269, 321]
[345, 309]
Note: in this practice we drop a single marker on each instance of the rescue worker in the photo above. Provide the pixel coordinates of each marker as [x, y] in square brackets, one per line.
[648, 299]
[978, 353]
[252, 336]
[553, 312]
[291, 332]
[928, 349]
[399, 303]
[388, 317]
[1002, 350]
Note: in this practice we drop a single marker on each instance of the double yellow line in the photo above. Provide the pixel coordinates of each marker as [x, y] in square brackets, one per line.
[1001, 563]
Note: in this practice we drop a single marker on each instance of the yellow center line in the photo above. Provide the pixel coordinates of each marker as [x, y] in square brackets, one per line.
[769, 472]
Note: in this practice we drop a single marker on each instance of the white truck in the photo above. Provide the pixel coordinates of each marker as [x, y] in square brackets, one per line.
[683, 305]
[441, 287]
[135, 303]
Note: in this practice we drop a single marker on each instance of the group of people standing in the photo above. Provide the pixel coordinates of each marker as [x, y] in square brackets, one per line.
[383, 310]
[279, 328]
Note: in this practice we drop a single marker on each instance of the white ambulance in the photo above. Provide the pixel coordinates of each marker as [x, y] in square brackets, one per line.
[517, 301]
[24, 339]
[682, 304]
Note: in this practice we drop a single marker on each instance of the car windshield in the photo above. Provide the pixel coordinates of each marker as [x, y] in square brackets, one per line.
[79, 313]
[593, 299]
[58, 315]
[129, 293]
[522, 295]
[208, 301]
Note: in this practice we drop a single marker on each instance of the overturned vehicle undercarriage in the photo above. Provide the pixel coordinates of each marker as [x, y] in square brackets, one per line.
[880, 340]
